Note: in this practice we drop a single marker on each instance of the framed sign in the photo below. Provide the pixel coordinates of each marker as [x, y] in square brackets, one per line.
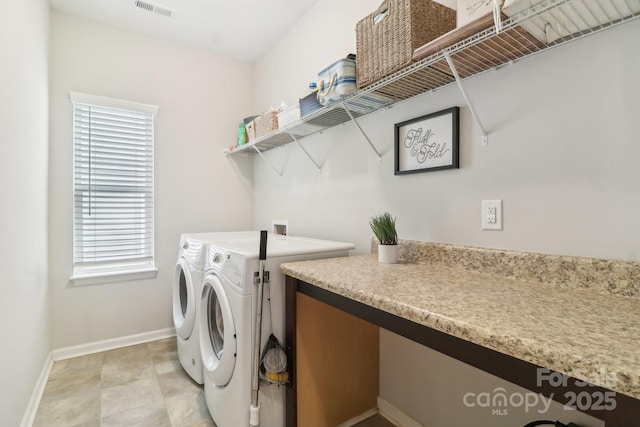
[428, 143]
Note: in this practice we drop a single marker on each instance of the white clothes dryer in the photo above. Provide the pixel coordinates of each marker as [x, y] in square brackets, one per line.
[187, 287]
[227, 320]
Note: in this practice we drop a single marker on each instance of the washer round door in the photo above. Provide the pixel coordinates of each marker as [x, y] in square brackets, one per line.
[184, 300]
[217, 332]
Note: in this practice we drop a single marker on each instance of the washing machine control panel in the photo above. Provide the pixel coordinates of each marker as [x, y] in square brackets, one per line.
[228, 264]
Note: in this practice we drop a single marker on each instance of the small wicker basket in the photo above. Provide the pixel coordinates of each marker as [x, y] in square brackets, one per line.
[266, 123]
[386, 39]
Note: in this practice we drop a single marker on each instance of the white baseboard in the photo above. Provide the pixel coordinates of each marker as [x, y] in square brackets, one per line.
[388, 411]
[355, 420]
[98, 346]
[395, 415]
[34, 402]
[82, 350]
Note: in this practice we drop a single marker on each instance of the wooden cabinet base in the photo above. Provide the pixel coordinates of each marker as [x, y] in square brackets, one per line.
[337, 364]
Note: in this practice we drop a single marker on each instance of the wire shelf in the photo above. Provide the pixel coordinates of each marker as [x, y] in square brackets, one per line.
[481, 46]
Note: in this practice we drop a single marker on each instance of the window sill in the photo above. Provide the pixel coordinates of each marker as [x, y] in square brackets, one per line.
[115, 276]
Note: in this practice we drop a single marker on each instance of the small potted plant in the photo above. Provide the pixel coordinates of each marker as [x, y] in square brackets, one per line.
[384, 227]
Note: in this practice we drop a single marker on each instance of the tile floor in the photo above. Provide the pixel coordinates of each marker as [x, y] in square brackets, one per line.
[142, 386]
[375, 421]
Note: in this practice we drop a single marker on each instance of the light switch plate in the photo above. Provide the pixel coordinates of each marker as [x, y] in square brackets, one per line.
[492, 214]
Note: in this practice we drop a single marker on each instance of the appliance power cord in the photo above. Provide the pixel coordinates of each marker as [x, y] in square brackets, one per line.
[551, 423]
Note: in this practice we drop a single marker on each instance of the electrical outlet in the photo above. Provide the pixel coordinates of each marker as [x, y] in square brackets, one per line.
[492, 214]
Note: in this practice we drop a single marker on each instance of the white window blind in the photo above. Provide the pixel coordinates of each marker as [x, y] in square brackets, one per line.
[113, 186]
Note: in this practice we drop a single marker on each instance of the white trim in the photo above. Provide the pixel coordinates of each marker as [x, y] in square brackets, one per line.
[395, 415]
[114, 276]
[36, 396]
[81, 350]
[358, 418]
[83, 98]
[98, 346]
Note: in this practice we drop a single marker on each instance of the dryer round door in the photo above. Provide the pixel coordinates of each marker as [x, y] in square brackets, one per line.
[217, 332]
[184, 300]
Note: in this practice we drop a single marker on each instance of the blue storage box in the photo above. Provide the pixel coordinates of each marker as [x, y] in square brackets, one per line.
[337, 81]
[309, 104]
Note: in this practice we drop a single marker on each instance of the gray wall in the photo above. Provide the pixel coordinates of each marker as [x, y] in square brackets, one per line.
[24, 111]
[562, 154]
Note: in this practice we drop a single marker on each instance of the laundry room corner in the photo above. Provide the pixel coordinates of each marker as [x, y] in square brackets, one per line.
[195, 185]
[548, 123]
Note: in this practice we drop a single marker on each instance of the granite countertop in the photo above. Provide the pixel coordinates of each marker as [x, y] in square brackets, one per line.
[581, 332]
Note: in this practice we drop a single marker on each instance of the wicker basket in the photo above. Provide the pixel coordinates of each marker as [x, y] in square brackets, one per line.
[385, 41]
[266, 123]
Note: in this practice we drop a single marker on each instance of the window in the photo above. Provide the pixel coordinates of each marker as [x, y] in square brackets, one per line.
[113, 170]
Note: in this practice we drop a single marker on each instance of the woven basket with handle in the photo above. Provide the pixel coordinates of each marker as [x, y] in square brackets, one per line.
[386, 39]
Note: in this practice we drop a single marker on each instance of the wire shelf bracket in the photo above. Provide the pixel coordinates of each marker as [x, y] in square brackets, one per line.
[267, 160]
[303, 149]
[484, 139]
[497, 22]
[353, 119]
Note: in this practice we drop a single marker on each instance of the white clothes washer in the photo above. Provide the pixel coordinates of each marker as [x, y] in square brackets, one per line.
[227, 320]
[187, 286]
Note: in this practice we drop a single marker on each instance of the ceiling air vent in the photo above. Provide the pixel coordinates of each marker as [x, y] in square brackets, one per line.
[150, 7]
[163, 11]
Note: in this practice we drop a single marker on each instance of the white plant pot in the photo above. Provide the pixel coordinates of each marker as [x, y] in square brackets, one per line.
[388, 254]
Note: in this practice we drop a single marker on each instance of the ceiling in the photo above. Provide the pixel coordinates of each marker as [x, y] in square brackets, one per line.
[240, 29]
